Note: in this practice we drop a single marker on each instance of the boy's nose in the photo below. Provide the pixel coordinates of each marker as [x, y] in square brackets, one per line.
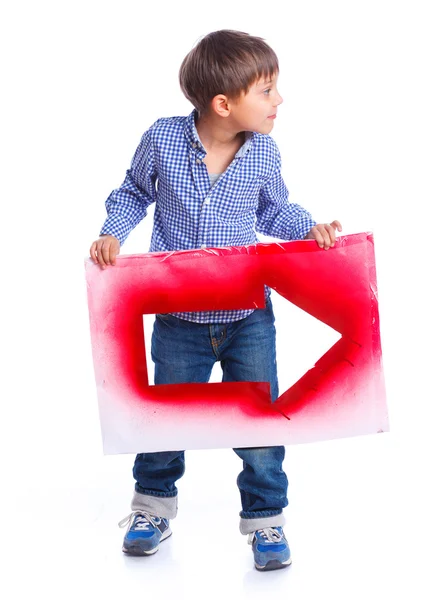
[278, 99]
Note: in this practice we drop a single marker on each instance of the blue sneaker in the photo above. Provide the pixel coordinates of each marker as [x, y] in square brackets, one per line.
[270, 549]
[144, 534]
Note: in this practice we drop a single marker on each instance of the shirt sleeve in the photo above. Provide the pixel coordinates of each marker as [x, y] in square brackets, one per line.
[276, 215]
[127, 205]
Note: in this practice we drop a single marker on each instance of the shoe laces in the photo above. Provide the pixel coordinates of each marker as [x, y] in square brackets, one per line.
[269, 533]
[142, 520]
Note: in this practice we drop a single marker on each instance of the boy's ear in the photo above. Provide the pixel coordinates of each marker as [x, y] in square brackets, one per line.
[220, 105]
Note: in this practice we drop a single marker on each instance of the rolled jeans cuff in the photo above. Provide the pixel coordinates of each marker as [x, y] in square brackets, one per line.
[251, 525]
[159, 506]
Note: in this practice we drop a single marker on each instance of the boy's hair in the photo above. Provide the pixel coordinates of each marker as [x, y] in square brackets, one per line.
[225, 62]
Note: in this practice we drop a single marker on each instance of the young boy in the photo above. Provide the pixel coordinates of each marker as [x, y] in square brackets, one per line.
[215, 178]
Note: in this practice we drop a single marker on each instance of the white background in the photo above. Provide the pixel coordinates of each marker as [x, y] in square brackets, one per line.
[81, 81]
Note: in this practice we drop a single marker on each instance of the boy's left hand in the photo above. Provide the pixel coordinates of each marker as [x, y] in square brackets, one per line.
[324, 234]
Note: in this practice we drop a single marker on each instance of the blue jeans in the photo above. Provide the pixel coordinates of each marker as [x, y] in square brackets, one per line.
[185, 352]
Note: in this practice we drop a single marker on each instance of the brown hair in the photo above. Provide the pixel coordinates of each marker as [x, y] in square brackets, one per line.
[225, 62]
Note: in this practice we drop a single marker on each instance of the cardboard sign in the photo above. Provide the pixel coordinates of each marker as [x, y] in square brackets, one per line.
[342, 395]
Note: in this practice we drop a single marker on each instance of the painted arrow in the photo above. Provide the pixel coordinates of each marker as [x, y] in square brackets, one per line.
[342, 395]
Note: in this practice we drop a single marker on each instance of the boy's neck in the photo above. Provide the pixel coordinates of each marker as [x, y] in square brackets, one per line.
[215, 133]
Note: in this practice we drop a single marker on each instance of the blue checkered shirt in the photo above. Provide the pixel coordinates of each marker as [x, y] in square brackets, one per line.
[249, 196]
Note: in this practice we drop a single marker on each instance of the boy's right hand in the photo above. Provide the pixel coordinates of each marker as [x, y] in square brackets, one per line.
[104, 250]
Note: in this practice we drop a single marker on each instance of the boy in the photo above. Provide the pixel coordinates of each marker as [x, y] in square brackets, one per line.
[215, 177]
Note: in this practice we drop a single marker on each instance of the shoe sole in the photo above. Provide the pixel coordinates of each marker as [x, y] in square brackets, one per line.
[272, 565]
[135, 549]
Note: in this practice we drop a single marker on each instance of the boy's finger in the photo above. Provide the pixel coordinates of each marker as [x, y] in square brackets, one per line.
[93, 253]
[319, 238]
[105, 253]
[100, 255]
[336, 225]
[113, 254]
[327, 239]
[331, 233]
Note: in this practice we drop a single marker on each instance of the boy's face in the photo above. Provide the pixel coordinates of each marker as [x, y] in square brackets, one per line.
[256, 110]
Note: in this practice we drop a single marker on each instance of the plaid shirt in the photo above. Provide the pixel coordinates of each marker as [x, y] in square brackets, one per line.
[249, 196]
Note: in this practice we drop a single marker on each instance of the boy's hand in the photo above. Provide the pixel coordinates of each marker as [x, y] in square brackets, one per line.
[104, 250]
[324, 234]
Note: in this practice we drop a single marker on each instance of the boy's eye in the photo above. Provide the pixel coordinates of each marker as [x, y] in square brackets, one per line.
[267, 91]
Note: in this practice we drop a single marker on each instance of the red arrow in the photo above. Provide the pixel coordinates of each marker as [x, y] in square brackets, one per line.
[336, 286]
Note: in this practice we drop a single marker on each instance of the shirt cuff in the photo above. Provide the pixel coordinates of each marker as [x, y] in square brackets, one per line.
[117, 226]
[302, 227]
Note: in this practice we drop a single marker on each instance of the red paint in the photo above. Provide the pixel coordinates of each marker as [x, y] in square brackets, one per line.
[337, 286]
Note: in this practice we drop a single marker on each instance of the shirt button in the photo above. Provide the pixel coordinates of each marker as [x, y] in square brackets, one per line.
[203, 246]
[194, 145]
[198, 161]
[207, 201]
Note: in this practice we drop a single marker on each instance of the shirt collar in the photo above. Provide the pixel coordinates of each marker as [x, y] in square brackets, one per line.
[194, 140]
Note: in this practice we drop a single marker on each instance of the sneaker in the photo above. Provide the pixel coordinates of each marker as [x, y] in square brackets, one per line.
[270, 548]
[144, 534]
